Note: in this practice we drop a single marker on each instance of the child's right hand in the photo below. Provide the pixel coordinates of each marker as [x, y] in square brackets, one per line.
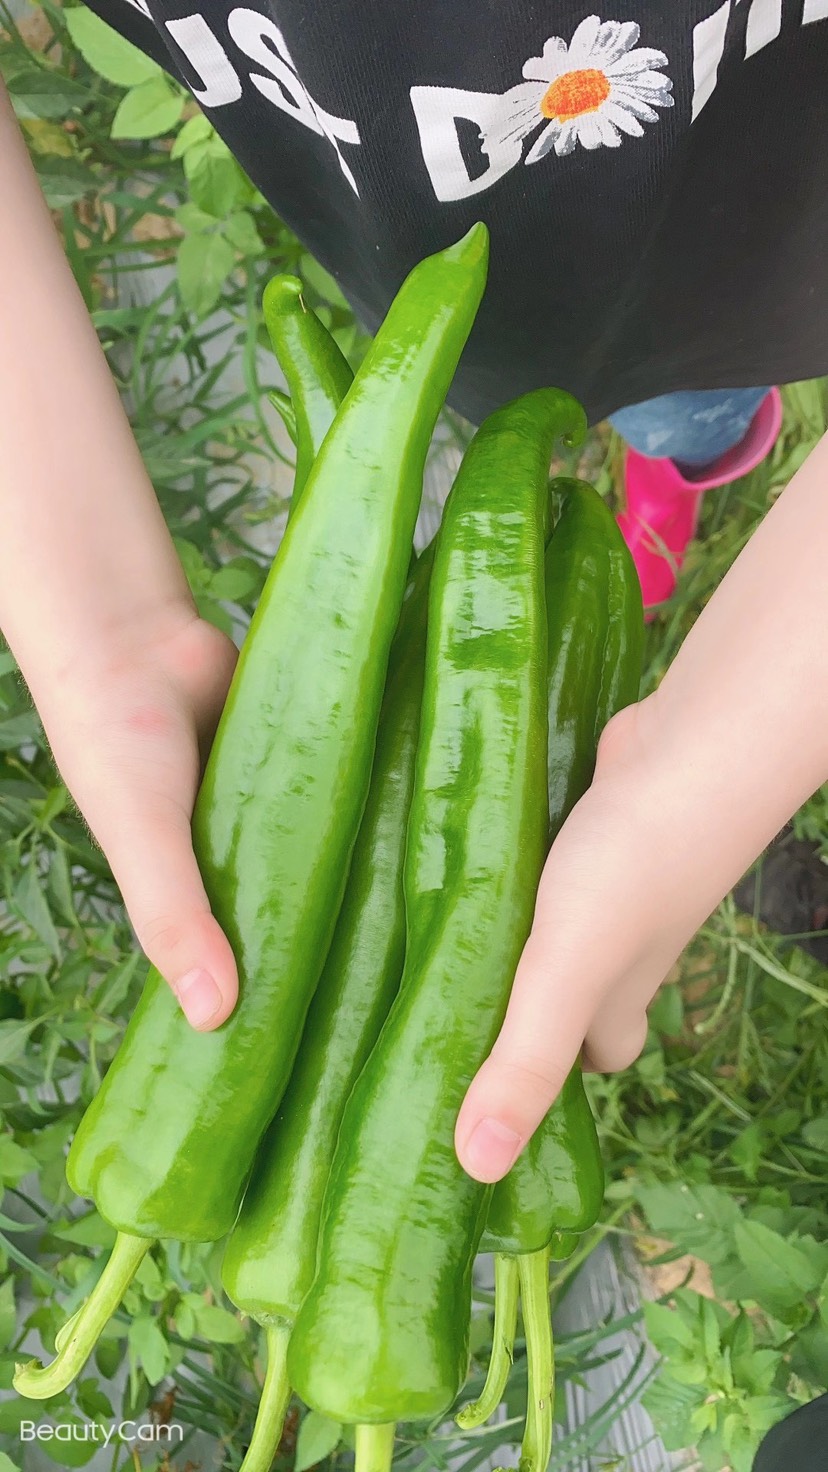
[130, 740]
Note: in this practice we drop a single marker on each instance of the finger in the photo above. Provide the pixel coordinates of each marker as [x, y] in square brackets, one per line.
[590, 918]
[540, 1040]
[618, 1031]
[151, 855]
[613, 1043]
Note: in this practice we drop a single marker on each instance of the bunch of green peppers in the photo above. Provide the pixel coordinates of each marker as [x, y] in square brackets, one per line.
[371, 827]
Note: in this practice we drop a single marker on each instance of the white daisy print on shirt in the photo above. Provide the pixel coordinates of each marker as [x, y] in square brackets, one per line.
[593, 91]
[597, 91]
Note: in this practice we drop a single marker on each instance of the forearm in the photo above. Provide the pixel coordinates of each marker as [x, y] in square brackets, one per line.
[736, 737]
[86, 560]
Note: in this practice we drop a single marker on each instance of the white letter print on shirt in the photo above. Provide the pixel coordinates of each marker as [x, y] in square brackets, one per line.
[208, 59]
[595, 92]
[278, 80]
[259, 39]
[763, 27]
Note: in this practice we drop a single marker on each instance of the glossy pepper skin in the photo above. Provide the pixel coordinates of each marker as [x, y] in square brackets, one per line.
[271, 1253]
[560, 1188]
[554, 1191]
[318, 375]
[166, 1146]
[595, 630]
[596, 633]
[270, 1257]
[383, 1333]
[274, 1240]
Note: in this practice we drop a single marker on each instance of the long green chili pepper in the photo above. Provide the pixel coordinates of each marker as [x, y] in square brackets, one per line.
[269, 1259]
[271, 1254]
[596, 629]
[283, 404]
[272, 1247]
[553, 1193]
[318, 375]
[166, 1146]
[383, 1332]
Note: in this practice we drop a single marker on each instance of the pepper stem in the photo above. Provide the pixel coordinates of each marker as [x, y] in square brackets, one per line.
[536, 1450]
[270, 1417]
[503, 1345]
[374, 1447]
[82, 1332]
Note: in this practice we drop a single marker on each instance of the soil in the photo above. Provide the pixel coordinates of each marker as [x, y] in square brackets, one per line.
[792, 887]
[682, 1272]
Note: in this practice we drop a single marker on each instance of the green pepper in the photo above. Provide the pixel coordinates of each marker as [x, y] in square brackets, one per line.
[166, 1146]
[596, 625]
[561, 1185]
[318, 375]
[283, 404]
[271, 1254]
[383, 1332]
[273, 1244]
[554, 1191]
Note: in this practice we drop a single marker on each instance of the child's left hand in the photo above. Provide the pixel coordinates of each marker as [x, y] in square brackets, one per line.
[690, 786]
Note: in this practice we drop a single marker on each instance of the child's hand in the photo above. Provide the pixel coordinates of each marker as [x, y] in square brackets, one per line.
[690, 786]
[94, 603]
[130, 740]
[621, 895]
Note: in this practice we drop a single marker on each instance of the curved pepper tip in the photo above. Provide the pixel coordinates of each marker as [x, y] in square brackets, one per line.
[475, 243]
[280, 290]
[576, 436]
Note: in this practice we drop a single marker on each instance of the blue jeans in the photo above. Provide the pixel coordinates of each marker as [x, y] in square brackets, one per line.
[692, 427]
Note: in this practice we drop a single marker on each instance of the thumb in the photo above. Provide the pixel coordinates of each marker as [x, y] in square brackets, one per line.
[526, 1069]
[590, 918]
[151, 855]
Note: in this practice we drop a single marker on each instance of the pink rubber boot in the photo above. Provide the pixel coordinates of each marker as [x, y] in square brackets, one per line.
[663, 502]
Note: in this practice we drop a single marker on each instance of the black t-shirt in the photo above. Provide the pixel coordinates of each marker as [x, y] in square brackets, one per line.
[654, 176]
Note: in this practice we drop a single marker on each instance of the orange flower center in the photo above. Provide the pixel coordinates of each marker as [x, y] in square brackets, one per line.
[574, 94]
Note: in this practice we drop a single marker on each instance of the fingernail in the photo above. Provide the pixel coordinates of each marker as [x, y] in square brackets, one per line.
[492, 1150]
[199, 996]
